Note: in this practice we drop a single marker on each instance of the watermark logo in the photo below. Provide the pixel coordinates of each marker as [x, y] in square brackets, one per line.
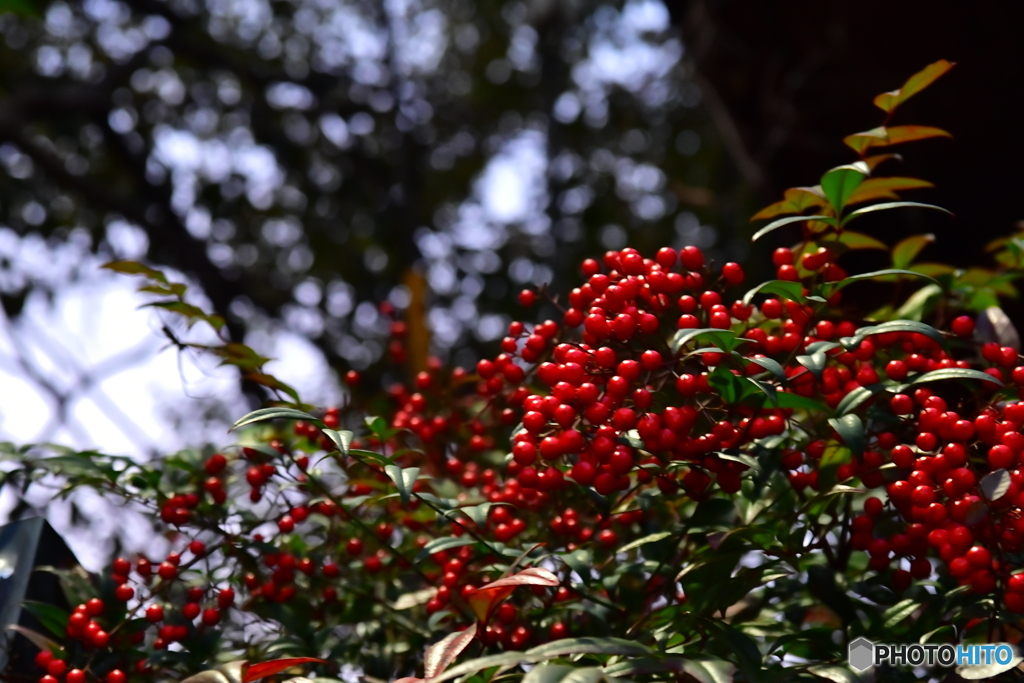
[972, 661]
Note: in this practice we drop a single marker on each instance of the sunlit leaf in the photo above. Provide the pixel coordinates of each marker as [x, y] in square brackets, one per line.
[994, 485]
[264, 414]
[841, 182]
[885, 206]
[404, 479]
[888, 101]
[784, 288]
[135, 268]
[775, 225]
[797, 200]
[884, 188]
[955, 373]
[904, 253]
[441, 654]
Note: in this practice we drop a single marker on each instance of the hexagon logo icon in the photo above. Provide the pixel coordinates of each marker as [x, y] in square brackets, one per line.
[861, 654]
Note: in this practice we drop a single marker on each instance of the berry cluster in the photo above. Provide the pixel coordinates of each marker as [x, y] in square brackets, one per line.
[654, 390]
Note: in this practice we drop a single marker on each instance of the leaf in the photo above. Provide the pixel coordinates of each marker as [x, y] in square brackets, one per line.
[722, 338]
[710, 670]
[135, 268]
[954, 373]
[888, 101]
[503, 661]
[653, 538]
[264, 414]
[797, 200]
[446, 543]
[264, 669]
[271, 382]
[904, 253]
[789, 290]
[841, 182]
[341, 438]
[771, 365]
[798, 402]
[839, 674]
[994, 485]
[885, 188]
[857, 397]
[833, 287]
[588, 645]
[484, 599]
[441, 654]
[189, 311]
[857, 240]
[885, 206]
[410, 600]
[53, 618]
[920, 303]
[994, 325]
[851, 431]
[898, 612]
[883, 137]
[974, 672]
[815, 362]
[36, 638]
[404, 479]
[208, 676]
[775, 225]
[901, 326]
[563, 673]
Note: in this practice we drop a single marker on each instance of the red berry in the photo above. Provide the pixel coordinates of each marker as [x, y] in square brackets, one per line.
[75, 676]
[94, 607]
[692, 258]
[116, 676]
[963, 326]
[124, 593]
[154, 613]
[216, 464]
[211, 617]
[527, 298]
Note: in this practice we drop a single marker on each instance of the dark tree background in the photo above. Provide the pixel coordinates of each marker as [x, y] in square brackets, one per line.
[306, 160]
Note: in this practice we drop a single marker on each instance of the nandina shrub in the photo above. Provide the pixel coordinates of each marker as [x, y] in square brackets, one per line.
[678, 479]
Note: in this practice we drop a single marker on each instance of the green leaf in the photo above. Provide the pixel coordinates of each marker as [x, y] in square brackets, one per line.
[856, 241]
[920, 303]
[446, 543]
[815, 362]
[798, 402]
[710, 670]
[954, 373]
[783, 288]
[588, 645]
[851, 431]
[833, 287]
[899, 326]
[53, 618]
[775, 225]
[723, 339]
[771, 366]
[841, 182]
[342, 439]
[404, 479]
[898, 612]
[264, 414]
[885, 206]
[839, 674]
[135, 268]
[653, 538]
[888, 101]
[857, 397]
[905, 251]
[563, 673]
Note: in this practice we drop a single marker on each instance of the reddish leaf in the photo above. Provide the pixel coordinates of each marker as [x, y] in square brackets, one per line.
[409, 679]
[264, 669]
[878, 159]
[485, 599]
[885, 188]
[922, 79]
[441, 654]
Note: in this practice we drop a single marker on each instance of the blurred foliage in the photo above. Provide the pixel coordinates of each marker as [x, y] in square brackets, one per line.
[306, 161]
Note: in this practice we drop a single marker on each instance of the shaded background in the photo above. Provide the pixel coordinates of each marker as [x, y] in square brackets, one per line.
[304, 161]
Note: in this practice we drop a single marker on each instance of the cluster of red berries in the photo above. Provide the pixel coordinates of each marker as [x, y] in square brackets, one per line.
[630, 393]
